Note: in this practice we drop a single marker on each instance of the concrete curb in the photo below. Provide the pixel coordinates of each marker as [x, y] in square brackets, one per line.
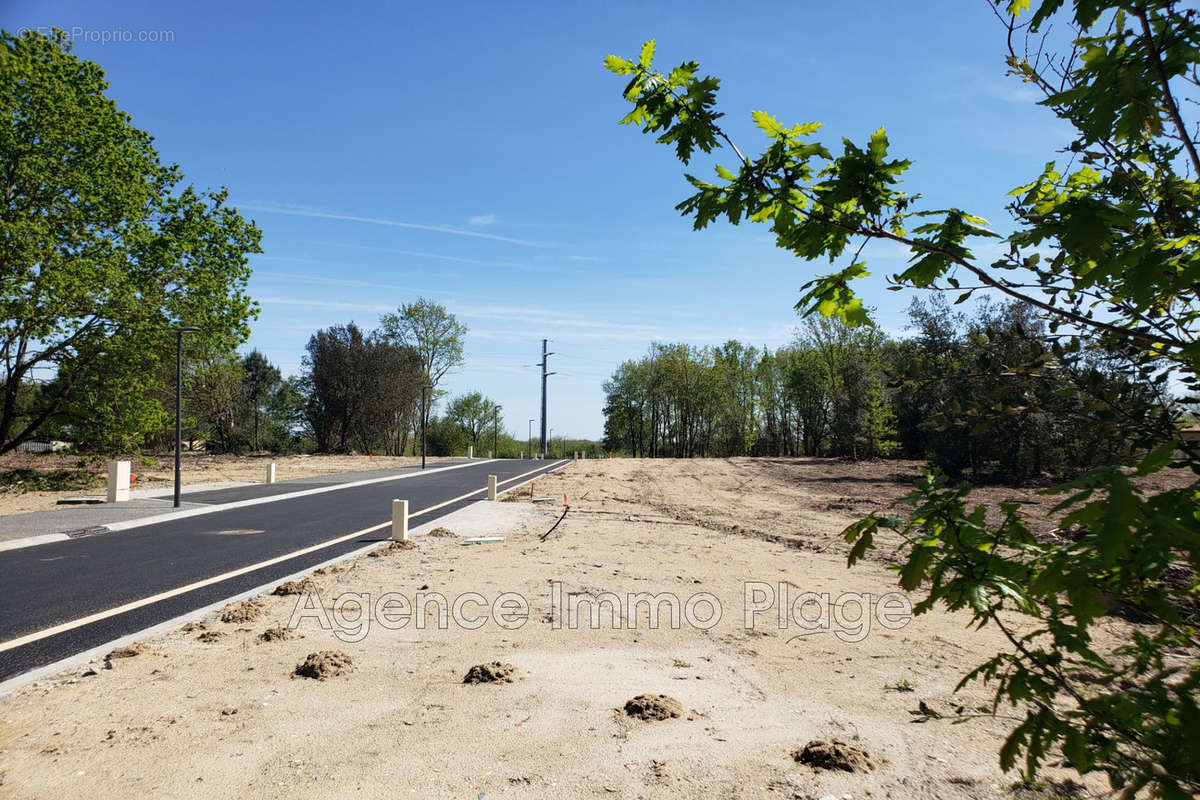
[30, 541]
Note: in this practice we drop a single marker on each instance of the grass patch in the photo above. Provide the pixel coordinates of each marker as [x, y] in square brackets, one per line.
[58, 480]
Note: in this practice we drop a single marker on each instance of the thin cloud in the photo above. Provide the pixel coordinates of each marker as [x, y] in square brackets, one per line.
[537, 316]
[392, 223]
[437, 256]
[328, 304]
[321, 280]
[482, 219]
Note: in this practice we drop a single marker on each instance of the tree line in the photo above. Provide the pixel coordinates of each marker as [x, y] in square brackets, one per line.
[970, 392]
[358, 391]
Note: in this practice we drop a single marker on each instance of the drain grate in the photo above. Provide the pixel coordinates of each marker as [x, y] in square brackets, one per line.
[95, 530]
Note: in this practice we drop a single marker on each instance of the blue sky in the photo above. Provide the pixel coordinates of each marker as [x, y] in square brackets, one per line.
[470, 153]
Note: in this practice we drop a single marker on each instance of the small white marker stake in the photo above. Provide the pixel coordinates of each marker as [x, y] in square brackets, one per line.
[470, 451]
[400, 520]
[491, 487]
[118, 481]
[270, 478]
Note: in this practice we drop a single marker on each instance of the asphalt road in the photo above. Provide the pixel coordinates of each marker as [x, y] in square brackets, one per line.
[55, 583]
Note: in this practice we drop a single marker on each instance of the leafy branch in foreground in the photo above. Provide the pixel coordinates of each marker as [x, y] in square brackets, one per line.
[1105, 247]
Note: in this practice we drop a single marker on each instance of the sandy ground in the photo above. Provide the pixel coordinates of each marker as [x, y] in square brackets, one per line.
[227, 718]
[159, 472]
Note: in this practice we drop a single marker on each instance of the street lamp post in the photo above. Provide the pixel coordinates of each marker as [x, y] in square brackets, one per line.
[424, 389]
[496, 432]
[531, 438]
[179, 332]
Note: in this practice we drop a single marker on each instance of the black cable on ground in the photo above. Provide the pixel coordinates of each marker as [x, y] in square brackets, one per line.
[546, 535]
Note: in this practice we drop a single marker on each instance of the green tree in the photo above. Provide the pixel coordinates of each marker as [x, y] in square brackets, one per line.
[1106, 248]
[476, 415]
[216, 400]
[434, 333]
[358, 386]
[260, 384]
[101, 253]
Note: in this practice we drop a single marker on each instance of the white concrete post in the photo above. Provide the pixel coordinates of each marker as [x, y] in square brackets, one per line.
[491, 487]
[400, 520]
[470, 451]
[118, 481]
[489, 453]
[270, 473]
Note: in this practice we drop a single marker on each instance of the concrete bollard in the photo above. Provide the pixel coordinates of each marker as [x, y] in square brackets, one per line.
[118, 481]
[489, 453]
[470, 451]
[491, 487]
[270, 478]
[400, 520]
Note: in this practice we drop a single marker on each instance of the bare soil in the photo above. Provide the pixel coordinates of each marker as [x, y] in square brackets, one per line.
[834, 754]
[754, 686]
[243, 612]
[653, 707]
[37, 481]
[494, 672]
[324, 664]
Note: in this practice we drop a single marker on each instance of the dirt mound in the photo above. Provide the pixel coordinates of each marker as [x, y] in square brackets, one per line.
[294, 587]
[210, 636]
[278, 634]
[442, 533]
[128, 651]
[494, 672]
[653, 707]
[245, 611]
[324, 664]
[834, 754]
[193, 627]
[396, 546]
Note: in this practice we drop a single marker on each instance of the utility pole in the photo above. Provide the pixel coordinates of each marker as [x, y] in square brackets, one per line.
[545, 375]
